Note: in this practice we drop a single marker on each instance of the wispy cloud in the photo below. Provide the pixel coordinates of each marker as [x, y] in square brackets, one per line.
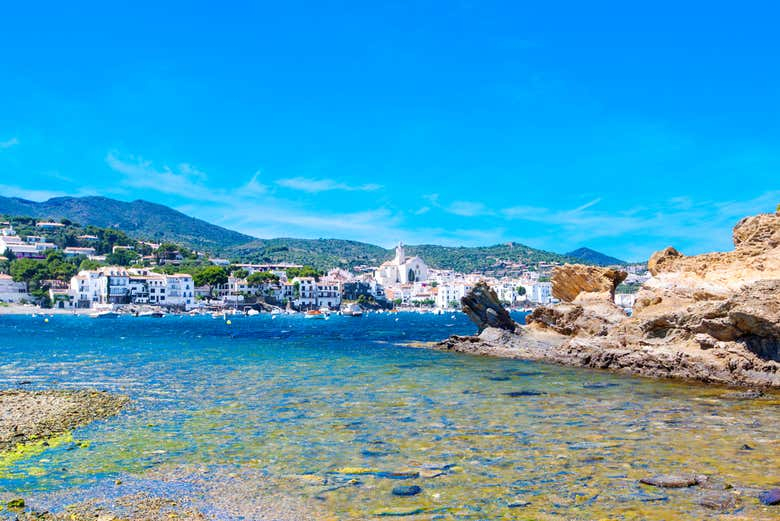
[9, 143]
[587, 205]
[312, 185]
[698, 224]
[467, 208]
[251, 207]
[29, 194]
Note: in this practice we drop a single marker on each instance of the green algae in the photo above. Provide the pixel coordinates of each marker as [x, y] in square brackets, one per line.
[26, 451]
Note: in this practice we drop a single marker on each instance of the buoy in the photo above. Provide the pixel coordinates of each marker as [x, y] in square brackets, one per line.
[228, 322]
[45, 319]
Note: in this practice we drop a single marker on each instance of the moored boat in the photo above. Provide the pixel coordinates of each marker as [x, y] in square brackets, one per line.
[104, 314]
[151, 314]
[352, 310]
[314, 313]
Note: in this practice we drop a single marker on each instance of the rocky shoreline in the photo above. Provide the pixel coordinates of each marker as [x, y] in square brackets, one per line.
[713, 318]
[30, 416]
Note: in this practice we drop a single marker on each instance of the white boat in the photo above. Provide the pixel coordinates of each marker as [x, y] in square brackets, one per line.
[152, 314]
[276, 311]
[252, 312]
[352, 310]
[104, 314]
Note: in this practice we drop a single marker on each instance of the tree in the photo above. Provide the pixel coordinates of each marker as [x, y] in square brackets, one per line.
[26, 270]
[9, 254]
[89, 264]
[262, 277]
[58, 267]
[520, 290]
[305, 271]
[210, 276]
[121, 257]
[240, 273]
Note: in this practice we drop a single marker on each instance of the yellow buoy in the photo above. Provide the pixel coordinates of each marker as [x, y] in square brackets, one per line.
[45, 319]
[228, 322]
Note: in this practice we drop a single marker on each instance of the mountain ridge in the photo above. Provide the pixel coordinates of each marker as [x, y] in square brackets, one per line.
[146, 220]
[591, 256]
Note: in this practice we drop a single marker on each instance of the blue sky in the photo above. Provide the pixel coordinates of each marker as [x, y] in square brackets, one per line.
[623, 128]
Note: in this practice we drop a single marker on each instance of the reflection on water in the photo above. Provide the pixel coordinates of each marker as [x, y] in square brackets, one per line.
[341, 412]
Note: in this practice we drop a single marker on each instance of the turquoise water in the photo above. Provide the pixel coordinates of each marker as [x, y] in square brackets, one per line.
[311, 403]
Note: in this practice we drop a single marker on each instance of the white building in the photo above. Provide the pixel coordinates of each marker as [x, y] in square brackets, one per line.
[117, 285]
[401, 270]
[449, 295]
[308, 293]
[540, 292]
[75, 251]
[20, 248]
[11, 291]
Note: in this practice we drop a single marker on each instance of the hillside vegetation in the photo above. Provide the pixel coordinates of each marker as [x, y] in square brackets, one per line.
[139, 219]
[154, 222]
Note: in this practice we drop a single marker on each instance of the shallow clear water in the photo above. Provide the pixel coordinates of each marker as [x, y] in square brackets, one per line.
[300, 400]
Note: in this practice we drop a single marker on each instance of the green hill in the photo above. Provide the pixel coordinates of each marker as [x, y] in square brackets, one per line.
[589, 256]
[139, 219]
[495, 258]
[320, 253]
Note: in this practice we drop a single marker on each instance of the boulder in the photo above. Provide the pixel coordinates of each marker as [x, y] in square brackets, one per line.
[756, 309]
[662, 260]
[673, 480]
[569, 280]
[758, 232]
[482, 306]
[591, 314]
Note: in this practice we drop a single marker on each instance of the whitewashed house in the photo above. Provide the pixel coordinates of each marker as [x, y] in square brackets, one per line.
[11, 291]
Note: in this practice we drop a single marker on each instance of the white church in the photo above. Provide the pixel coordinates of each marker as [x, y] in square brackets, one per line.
[401, 270]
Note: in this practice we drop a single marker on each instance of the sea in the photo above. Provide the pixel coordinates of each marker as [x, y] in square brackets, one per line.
[338, 413]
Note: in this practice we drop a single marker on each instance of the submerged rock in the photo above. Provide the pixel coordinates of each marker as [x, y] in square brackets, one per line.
[673, 480]
[518, 394]
[406, 490]
[397, 512]
[399, 474]
[718, 501]
[770, 497]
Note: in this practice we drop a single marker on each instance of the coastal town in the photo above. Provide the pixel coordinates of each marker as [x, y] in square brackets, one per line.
[149, 277]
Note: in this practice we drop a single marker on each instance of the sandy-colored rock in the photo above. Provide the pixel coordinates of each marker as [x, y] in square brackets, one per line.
[589, 317]
[569, 280]
[758, 232]
[661, 259]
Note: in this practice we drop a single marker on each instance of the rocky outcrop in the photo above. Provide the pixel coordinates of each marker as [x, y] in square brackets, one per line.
[590, 314]
[712, 317]
[37, 415]
[569, 280]
[482, 306]
[661, 259]
[587, 294]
